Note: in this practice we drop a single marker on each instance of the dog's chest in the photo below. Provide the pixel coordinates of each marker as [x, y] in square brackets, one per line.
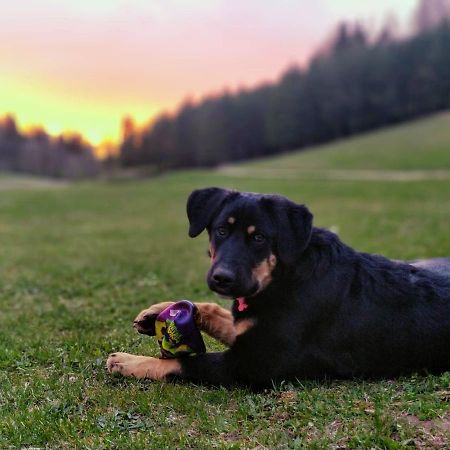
[242, 326]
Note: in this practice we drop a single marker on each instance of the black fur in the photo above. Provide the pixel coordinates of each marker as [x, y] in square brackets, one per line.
[202, 205]
[329, 311]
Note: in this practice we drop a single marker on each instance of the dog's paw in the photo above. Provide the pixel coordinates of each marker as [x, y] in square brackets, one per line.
[141, 366]
[145, 320]
[127, 365]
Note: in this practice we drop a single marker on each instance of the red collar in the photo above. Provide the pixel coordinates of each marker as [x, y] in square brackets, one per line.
[242, 304]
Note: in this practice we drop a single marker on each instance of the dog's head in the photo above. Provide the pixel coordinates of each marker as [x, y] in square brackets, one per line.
[252, 237]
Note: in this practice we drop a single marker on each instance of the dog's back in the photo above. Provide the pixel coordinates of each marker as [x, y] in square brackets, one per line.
[439, 265]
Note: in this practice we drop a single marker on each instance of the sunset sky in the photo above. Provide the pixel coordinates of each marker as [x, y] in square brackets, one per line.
[84, 64]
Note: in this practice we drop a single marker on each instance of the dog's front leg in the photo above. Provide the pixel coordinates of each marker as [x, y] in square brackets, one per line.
[142, 366]
[212, 319]
[216, 321]
[211, 368]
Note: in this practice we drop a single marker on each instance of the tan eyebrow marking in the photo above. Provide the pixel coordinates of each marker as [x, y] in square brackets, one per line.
[231, 220]
[251, 229]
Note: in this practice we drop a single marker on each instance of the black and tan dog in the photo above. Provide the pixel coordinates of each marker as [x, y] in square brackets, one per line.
[306, 304]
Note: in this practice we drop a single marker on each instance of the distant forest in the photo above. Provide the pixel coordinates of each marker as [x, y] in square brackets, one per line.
[38, 153]
[353, 86]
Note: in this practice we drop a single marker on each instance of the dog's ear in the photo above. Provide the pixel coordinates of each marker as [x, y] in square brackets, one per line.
[293, 224]
[202, 205]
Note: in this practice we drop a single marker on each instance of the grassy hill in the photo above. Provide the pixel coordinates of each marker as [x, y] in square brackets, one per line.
[77, 263]
[419, 145]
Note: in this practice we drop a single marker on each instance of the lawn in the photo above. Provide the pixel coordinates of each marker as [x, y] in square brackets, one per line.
[77, 263]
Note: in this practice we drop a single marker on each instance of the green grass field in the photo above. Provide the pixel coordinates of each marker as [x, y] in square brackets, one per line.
[77, 262]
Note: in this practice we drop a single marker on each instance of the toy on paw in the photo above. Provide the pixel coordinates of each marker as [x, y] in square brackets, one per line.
[176, 331]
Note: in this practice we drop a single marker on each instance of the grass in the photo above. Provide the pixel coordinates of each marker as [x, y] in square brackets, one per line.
[77, 263]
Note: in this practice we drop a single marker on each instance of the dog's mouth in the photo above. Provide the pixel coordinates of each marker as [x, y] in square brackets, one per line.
[233, 294]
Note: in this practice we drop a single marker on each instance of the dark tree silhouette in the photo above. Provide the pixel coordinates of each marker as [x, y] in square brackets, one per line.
[431, 13]
[39, 154]
[354, 84]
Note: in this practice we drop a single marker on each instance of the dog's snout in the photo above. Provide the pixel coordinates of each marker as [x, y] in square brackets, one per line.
[223, 277]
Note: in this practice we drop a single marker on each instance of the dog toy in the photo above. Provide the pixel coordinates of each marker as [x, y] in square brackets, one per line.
[177, 332]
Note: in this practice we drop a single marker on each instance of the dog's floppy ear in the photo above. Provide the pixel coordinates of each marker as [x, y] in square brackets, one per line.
[202, 205]
[293, 227]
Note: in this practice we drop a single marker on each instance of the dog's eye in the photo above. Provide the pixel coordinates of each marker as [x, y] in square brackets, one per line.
[258, 237]
[221, 232]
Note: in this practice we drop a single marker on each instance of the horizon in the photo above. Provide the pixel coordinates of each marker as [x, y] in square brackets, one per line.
[80, 67]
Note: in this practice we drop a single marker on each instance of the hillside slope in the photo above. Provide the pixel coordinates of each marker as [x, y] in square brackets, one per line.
[418, 145]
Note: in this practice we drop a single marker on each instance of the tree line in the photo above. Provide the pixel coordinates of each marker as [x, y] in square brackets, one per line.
[356, 84]
[40, 154]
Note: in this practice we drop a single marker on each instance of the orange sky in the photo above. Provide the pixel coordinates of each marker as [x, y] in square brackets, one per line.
[83, 64]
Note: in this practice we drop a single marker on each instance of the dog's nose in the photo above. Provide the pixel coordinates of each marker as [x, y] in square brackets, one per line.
[223, 277]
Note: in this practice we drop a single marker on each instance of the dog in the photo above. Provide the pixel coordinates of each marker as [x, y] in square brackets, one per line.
[305, 305]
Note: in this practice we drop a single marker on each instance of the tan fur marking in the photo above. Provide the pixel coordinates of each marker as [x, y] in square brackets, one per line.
[263, 272]
[212, 251]
[142, 366]
[242, 326]
[231, 220]
[272, 261]
[217, 322]
[251, 229]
